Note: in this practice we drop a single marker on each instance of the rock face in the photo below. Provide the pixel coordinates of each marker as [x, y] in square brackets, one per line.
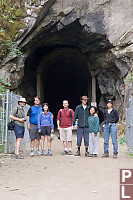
[101, 30]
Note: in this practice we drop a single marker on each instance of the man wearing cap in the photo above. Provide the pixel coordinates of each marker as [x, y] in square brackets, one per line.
[18, 115]
[32, 125]
[111, 118]
[82, 114]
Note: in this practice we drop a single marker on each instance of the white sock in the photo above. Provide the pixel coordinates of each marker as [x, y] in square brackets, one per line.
[65, 149]
[70, 149]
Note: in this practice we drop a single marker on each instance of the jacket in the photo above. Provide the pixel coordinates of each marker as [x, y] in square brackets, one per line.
[112, 117]
[82, 116]
[45, 120]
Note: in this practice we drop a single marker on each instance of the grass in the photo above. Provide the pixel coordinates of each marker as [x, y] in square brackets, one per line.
[101, 135]
[122, 140]
[130, 154]
[2, 147]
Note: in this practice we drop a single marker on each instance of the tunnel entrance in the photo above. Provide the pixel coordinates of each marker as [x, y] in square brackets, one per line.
[64, 81]
[63, 75]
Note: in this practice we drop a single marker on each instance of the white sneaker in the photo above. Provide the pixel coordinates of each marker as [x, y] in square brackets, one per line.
[38, 153]
[32, 153]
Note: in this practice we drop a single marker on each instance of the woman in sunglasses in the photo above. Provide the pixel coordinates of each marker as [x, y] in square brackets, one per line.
[45, 127]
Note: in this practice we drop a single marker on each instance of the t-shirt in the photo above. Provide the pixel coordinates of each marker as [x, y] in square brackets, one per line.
[33, 113]
[19, 114]
[66, 118]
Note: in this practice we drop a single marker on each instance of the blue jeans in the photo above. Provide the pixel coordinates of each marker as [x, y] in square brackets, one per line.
[110, 129]
[82, 132]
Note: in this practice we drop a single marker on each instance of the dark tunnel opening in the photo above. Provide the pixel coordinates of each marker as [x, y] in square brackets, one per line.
[65, 81]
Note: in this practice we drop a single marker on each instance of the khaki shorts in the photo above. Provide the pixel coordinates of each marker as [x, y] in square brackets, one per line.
[66, 134]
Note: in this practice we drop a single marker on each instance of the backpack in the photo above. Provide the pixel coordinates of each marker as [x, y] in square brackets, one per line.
[69, 113]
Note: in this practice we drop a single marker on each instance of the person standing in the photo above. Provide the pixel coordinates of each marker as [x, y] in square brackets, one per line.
[64, 125]
[111, 118]
[82, 114]
[18, 115]
[45, 127]
[32, 125]
[94, 129]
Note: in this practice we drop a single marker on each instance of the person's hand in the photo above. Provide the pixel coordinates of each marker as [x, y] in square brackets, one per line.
[21, 120]
[28, 127]
[39, 131]
[75, 127]
[95, 115]
[72, 127]
[95, 134]
[52, 130]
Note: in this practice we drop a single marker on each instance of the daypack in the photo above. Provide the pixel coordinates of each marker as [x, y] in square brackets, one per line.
[69, 113]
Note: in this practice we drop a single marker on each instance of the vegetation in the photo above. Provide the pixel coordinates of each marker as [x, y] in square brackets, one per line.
[2, 148]
[4, 86]
[122, 140]
[12, 13]
[129, 77]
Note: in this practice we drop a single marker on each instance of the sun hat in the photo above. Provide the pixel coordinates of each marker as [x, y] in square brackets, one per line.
[22, 100]
[84, 98]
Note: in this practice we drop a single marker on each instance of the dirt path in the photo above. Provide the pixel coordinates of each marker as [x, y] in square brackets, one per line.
[62, 177]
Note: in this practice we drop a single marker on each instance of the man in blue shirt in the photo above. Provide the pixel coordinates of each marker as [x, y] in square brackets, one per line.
[32, 125]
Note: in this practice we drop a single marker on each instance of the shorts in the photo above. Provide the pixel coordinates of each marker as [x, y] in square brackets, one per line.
[33, 132]
[19, 131]
[45, 130]
[66, 134]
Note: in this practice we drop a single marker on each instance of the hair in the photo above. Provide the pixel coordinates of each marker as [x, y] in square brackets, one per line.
[45, 104]
[36, 98]
[94, 109]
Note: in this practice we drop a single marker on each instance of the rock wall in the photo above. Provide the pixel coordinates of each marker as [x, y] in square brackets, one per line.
[102, 30]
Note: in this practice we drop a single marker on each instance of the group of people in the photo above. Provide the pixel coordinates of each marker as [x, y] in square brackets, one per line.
[85, 120]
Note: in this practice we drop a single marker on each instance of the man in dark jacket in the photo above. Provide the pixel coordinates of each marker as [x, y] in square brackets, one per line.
[82, 114]
[111, 118]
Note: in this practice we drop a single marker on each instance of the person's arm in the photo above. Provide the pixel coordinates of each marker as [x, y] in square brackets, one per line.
[12, 116]
[75, 116]
[28, 118]
[39, 122]
[51, 122]
[58, 120]
[97, 129]
[117, 116]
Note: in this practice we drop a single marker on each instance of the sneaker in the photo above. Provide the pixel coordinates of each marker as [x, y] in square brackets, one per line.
[38, 153]
[65, 152]
[43, 153]
[69, 152]
[106, 154]
[87, 153]
[32, 153]
[91, 155]
[77, 153]
[115, 155]
[49, 153]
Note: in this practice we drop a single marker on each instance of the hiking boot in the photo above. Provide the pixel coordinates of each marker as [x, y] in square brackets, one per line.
[87, 153]
[32, 153]
[38, 153]
[106, 154]
[43, 153]
[49, 152]
[65, 152]
[77, 153]
[115, 155]
[69, 152]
